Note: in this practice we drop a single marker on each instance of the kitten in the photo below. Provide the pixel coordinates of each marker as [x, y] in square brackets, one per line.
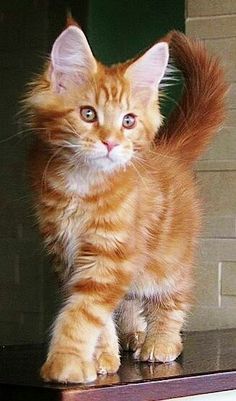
[116, 198]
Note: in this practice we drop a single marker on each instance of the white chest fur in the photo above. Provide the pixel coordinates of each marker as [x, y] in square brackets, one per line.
[82, 180]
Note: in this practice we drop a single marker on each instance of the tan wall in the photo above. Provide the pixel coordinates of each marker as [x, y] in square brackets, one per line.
[214, 21]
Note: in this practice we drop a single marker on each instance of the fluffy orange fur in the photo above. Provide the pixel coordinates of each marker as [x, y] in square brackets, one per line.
[122, 229]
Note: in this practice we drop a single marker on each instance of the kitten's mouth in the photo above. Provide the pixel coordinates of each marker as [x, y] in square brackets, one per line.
[106, 163]
[108, 157]
[104, 157]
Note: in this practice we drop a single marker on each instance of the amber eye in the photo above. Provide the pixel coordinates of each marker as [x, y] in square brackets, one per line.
[88, 114]
[129, 121]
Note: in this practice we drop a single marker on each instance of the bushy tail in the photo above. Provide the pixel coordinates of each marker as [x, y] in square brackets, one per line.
[201, 109]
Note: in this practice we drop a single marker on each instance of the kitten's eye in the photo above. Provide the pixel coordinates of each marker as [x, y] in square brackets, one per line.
[129, 121]
[88, 114]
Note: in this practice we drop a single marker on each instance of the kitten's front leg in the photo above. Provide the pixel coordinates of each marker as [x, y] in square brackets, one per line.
[131, 324]
[79, 325]
[70, 356]
[163, 340]
[107, 350]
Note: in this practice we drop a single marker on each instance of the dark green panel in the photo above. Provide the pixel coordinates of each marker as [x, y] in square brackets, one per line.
[118, 30]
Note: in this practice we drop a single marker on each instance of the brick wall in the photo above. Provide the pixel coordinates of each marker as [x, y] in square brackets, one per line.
[214, 21]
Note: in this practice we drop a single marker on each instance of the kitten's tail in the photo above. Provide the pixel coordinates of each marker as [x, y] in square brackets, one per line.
[202, 107]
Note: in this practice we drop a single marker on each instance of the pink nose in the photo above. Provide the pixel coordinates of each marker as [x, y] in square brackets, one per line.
[110, 145]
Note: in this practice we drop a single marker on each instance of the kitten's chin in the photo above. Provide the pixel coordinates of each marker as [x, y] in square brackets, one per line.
[107, 165]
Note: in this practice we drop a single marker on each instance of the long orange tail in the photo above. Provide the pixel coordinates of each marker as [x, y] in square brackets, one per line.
[202, 107]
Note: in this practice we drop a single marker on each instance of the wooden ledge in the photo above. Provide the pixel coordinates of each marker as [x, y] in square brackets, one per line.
[208, 364]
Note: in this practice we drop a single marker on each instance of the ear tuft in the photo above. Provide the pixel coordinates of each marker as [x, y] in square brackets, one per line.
[71, 58]
[148, 70]
[70, 20]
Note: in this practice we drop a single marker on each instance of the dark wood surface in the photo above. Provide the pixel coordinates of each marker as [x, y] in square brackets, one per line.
[208, 364]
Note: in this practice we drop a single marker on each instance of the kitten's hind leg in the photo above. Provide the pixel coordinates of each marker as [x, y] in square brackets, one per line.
[131, 325]
[163, 340]
[107, 350]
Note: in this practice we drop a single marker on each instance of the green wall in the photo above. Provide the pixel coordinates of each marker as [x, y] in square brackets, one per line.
[118, 30]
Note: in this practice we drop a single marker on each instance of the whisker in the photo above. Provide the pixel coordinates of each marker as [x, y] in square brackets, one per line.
[73, 129]
[44, 176]
[26, 131]
[155, 153]
[140, 176]
[17, 134]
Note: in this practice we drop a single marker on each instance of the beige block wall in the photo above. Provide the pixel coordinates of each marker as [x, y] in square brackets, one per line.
[214, 21]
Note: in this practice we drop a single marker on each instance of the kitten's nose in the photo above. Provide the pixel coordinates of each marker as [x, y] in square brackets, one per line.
[110, 145]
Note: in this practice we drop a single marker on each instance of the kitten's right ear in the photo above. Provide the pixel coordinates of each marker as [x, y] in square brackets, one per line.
[146, 72]
[71, 59]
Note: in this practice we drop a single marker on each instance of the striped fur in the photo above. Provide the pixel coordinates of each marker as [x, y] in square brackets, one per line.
[122, 230]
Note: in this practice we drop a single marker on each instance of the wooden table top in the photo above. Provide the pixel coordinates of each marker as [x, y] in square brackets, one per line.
[207, 364]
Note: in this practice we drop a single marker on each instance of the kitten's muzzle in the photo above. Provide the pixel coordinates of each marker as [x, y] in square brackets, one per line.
[110, 145]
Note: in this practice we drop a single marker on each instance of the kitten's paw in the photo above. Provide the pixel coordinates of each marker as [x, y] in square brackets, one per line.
[107, 363]
[132, 341]
[160, 349]
[67, 368]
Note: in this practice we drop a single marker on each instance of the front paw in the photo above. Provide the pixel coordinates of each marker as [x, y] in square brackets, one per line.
[159, 349]
[108, 363]
[132, 341]
[68, 368]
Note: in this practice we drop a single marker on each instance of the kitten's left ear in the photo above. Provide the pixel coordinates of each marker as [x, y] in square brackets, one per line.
[71, 59]
[147, 71]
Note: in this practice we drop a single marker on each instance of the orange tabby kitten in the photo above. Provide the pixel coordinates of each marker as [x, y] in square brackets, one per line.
[116, 202]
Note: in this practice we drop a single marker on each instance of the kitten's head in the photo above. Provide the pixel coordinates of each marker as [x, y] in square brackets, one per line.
[100, 116]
